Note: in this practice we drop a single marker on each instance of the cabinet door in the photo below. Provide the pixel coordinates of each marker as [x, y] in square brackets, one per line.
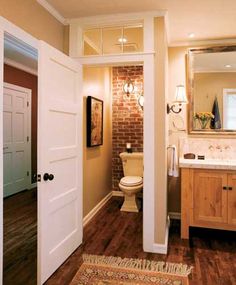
[209, 198]
[232, 199]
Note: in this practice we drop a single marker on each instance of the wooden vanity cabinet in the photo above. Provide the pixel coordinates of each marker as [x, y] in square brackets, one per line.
[208, 199]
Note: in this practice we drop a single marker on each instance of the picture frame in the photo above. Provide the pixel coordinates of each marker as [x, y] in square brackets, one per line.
[94, 122]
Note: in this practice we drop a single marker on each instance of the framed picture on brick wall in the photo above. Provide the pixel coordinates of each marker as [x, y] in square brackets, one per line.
[94, 121]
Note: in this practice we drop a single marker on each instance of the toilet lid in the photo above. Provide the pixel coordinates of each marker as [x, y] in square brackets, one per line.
[131, 180]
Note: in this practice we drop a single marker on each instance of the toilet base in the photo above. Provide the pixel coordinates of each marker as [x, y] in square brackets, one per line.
[131, 204]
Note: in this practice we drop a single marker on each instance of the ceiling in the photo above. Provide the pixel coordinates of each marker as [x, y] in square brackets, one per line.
[215, 62]
[207, 19]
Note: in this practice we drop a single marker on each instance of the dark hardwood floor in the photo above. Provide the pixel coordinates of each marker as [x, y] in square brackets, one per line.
[20, 239]
[111, 232]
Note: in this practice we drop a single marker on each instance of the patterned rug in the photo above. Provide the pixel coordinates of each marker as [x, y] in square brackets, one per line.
[103, 270]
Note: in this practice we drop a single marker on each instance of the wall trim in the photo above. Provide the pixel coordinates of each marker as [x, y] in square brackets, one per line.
[117, 193]
[175, 215]
[20, 66]
[195, 43]
[94, 211]
[33, 185]
[115, 19]
[52, 11]
[159, 247]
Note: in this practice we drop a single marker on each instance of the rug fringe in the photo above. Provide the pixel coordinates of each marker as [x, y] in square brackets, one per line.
[143, 264]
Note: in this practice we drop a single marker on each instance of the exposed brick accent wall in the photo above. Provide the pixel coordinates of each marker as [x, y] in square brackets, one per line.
[127, 117]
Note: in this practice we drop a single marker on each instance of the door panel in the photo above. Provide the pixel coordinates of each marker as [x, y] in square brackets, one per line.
[60, 154]
[16, 139]
[232, 200]
[209, 198]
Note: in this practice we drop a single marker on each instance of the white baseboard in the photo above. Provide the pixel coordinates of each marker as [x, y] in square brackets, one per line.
[175, 215]
[117, 194]
[162, 248]
[33, 185]
[94, 211]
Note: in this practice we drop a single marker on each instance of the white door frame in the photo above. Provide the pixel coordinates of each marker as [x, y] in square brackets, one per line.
[28, 92]
[13, 30]
[147, 59]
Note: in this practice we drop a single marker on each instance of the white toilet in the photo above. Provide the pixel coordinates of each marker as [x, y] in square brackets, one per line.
[132, 182]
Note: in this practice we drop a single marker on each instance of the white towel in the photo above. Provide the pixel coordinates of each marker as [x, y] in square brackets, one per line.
[173, 162]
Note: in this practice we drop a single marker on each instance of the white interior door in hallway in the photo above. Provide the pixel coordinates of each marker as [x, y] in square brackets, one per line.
[59, 159]
[16, 139]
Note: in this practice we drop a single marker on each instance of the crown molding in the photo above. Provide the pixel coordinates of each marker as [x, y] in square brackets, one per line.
[193, 43]
[20, 66]
[114, 19]
[52, 11]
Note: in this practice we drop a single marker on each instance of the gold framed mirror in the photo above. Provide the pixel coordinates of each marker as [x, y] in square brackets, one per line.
[211, 89]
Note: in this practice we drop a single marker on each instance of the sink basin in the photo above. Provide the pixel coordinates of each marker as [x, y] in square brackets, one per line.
[209, 163]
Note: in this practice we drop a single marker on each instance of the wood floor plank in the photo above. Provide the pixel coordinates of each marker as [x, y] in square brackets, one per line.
[111, 232]
[20, 239]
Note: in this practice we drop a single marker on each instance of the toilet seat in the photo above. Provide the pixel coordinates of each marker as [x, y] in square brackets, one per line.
[131, 181]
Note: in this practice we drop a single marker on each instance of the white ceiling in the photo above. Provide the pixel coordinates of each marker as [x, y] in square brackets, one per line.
[208, 19]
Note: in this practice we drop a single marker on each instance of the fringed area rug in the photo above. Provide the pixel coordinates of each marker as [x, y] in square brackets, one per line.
[104, 270]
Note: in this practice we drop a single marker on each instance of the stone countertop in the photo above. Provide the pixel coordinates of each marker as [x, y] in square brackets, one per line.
[226, 164]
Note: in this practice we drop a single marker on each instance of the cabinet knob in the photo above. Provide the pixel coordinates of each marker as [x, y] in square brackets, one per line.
[227, 188]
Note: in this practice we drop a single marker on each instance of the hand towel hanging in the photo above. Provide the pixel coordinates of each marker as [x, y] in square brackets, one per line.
[173, 161]
[215, 122]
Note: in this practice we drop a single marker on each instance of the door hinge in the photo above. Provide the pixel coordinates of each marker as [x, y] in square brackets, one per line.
[39, 178]
[27, 103]
[27, 138]
[27, 173]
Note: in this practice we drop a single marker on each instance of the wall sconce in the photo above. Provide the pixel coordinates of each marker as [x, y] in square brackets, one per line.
[141, 101]
[128, 87]
[180, 99]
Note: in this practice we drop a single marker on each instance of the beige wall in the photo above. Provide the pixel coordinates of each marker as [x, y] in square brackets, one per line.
[207, 86]
[161, 86]
[34, 19]
[176, 57]
[97, 160]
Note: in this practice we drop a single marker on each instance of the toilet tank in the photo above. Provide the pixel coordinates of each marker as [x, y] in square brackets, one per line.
[132, 163]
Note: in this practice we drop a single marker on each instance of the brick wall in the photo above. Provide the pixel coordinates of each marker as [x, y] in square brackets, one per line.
[127, 117]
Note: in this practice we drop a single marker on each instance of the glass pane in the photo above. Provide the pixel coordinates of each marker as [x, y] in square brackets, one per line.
[92, 42]
[112, 40]
[133, 39]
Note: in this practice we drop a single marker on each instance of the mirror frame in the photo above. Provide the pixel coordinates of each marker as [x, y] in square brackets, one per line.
[190, 85]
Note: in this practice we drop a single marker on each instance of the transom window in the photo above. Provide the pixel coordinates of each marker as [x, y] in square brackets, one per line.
[113, 40]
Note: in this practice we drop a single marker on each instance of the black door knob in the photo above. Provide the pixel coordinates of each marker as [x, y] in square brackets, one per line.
[47, 177]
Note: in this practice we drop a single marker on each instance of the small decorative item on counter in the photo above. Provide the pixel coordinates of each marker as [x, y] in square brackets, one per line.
[128, 148]
[189, 156]
[201, 157]
[203, 118]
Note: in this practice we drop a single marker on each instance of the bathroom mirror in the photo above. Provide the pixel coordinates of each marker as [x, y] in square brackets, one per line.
[211, 87]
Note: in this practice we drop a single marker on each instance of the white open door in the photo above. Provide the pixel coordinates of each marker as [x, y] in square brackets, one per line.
[60, 158]
[16, 139]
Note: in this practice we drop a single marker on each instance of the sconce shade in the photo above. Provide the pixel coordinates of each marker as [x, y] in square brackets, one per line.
[180, 99]
[128, 87]
[180, 95]
[141, 101]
